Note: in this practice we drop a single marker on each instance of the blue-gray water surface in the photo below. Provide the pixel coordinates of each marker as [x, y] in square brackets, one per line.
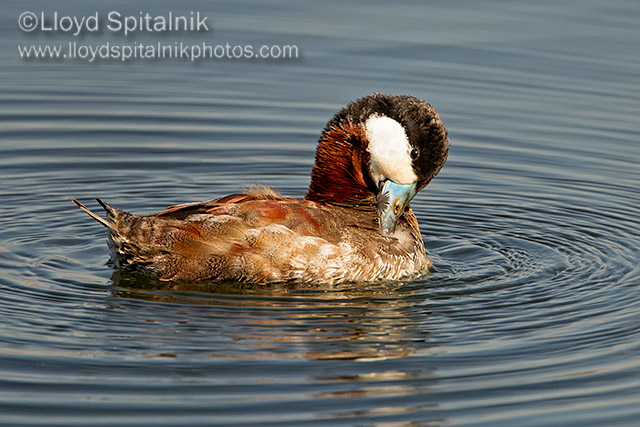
[530, 317]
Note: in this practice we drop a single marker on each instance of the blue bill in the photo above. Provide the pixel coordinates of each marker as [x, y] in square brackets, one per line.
[392, 201]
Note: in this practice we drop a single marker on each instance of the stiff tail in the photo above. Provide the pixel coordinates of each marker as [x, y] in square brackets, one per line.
[110, 225]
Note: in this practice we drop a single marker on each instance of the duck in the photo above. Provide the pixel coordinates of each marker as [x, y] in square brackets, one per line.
[355, 223]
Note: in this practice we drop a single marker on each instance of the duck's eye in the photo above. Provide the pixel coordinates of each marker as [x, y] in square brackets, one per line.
[413, 153]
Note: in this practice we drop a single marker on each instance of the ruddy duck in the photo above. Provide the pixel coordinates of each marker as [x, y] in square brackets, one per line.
[354, 224]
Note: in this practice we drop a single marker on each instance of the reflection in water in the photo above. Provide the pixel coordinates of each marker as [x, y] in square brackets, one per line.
[323, 328]
[350, 322]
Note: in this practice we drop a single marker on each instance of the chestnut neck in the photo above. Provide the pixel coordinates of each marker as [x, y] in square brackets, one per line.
[339, 175]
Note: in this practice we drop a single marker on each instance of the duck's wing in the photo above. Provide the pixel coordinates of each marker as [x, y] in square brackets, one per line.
[182, 211]
[250, 236]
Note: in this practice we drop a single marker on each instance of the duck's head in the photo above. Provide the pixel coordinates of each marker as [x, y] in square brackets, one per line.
[377, 153]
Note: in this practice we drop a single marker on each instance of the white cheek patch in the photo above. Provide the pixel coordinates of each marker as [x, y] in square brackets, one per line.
[389, 149]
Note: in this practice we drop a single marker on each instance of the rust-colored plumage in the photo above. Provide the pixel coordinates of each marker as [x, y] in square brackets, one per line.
[331, 236]
[338, 175]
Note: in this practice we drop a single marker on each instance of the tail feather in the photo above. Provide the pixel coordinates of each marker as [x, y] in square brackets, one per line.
[108, 224]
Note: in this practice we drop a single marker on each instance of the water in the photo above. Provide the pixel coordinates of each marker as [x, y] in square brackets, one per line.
[530, 317]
